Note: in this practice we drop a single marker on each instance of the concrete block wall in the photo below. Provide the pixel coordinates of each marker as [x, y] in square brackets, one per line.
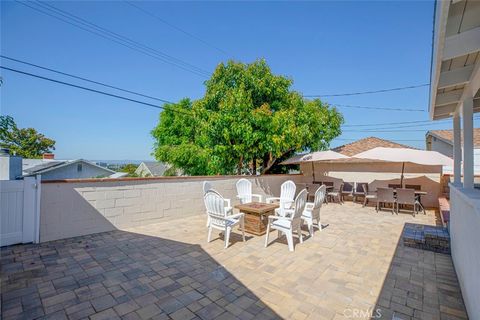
[74, 208]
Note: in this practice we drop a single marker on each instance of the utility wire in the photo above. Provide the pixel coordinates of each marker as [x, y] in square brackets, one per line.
[89, 24]
[85, 79]
[175, 27]
[94, 90]
[390, 123]
[117, 39]
[396, 140]
[366, 92]
[78, 19]
[376, 108]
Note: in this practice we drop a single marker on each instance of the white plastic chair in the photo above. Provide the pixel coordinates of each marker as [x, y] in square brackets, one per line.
[244, 191]
[215, 205]
[207, 186]
[290, 222]
[312, 210]
[286, 199]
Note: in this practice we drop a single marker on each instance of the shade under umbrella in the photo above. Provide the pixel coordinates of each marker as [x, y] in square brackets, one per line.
[313, 157]
[402, 155]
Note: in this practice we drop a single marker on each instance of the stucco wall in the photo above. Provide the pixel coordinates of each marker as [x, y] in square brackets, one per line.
[465, 237]
[379, 174]
[70, 209]
[441, 146]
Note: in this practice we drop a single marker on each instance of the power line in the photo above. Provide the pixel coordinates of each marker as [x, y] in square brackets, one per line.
[390, 123]
[376, 108]
[366, 92]
[118, 36]
[396, 140]
[94, 90]
[111, 36]
[85, 79]
[77, 19]
[176, 28]
[374, 130]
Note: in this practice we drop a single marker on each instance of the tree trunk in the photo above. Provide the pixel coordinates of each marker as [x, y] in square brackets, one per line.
[268, 162]
[254, 167]
[240, 165]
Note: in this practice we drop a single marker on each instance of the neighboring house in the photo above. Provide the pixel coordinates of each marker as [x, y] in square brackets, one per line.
[442, 141]
[65, 169]
[151, 169]
[375, 173]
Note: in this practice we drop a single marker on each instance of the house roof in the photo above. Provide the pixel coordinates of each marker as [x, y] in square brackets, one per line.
[447, 136]
[155, 168]
[52, 165]
[353, 148]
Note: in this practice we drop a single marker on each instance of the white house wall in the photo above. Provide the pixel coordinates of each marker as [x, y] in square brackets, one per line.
[70, 172]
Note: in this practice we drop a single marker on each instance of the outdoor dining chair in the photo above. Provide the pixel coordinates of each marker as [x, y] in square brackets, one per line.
[407, 197]
[244, 191]
[287, 195]
[348, 188]
[289, 223]
[311, 213]
[367, 196]
[384, 196]
[207, 186]
[336, 194]
[215, 205]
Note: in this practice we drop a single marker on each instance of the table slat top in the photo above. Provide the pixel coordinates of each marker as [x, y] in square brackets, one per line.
[257, 207]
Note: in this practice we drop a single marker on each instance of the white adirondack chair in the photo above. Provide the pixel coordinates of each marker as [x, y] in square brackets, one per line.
[312, 210]
[244, 191]
[289, 223]
[286, 199]
[207, 186]
[215, 205]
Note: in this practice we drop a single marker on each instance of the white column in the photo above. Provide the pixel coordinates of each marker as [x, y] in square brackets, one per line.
[457, 151]
[468, 143]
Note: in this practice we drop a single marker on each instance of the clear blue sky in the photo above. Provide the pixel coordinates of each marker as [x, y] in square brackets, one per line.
[325, 47]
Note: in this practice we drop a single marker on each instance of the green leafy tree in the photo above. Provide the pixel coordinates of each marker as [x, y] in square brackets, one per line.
[246, 122]
[27, 142]
[130, 169]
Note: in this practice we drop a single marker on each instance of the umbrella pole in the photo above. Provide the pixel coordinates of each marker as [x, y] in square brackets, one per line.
[313, 172]
[401, 177]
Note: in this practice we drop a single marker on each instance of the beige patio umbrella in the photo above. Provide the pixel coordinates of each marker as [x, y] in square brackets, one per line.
[313, 157]
[402, 155]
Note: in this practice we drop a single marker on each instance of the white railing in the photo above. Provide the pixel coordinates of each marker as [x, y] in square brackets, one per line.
[465, 241]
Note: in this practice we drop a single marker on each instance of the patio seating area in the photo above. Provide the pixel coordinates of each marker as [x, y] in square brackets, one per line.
[356, 267]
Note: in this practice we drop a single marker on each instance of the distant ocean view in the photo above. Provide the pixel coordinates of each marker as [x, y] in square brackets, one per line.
[119, 162]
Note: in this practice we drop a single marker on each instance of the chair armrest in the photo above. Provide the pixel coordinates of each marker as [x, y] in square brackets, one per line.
[236, 215]
[259, 196]
[272, 199]
[272, 217]
[309, 205]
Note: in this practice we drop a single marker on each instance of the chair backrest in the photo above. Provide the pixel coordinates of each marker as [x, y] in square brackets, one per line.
[348, 186]
[365, 188]
[287, 190]
[206, 186]
[300, 202]
[405, 196]
[244, 190]
[360, 187]
[319, 197]
[385, 195]
[342, 185]
[215, 205]
[416, 187]
[394, 185]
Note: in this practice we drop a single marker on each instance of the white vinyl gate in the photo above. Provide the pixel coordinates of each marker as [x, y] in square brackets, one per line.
[19, 211]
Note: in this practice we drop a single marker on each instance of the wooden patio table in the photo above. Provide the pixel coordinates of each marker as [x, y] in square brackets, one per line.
[256, 216]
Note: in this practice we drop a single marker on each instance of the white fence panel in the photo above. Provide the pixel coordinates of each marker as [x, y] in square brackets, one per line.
[18, 211]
